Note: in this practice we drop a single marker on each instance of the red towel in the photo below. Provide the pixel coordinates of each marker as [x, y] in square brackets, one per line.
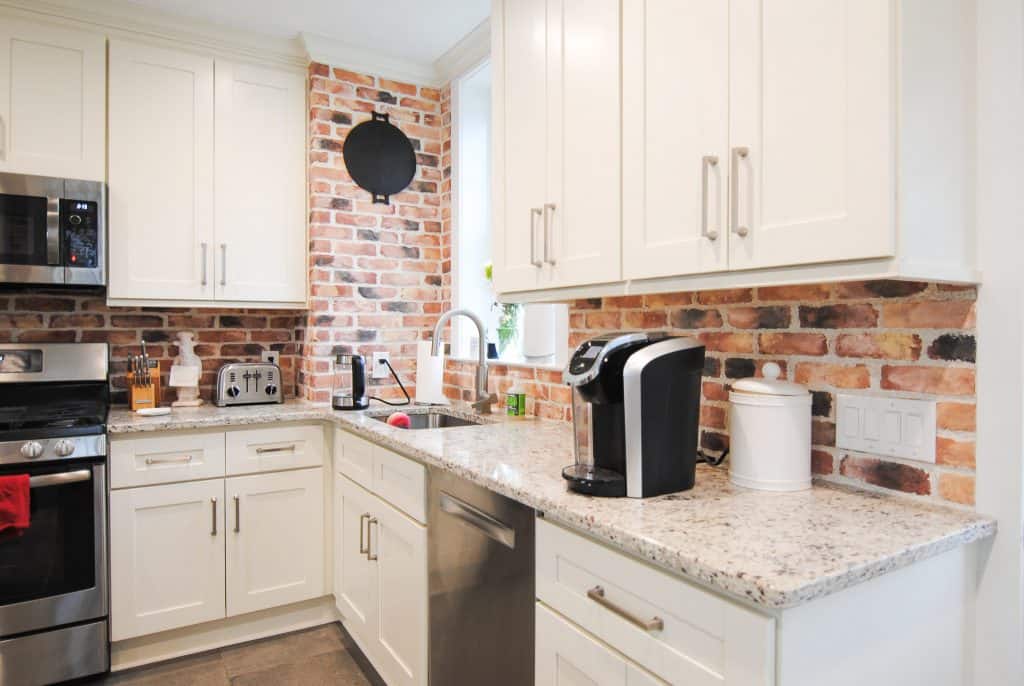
[14, 502]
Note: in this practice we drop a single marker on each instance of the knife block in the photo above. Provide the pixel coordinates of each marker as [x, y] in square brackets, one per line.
[144, 390]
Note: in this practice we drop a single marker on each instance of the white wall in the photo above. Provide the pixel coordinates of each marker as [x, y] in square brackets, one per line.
[999, 640]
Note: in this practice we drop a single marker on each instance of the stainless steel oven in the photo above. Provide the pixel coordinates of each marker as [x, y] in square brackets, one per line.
[53, 575]
[52, 231]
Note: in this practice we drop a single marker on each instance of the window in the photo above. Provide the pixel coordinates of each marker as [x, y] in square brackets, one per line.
[529, 334]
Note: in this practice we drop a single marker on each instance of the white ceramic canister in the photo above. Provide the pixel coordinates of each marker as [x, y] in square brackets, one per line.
[770, 433]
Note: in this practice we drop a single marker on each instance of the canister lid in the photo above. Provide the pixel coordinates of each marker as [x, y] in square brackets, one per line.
[770, 384]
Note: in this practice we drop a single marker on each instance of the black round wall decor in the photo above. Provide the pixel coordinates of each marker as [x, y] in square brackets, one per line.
[379, 157]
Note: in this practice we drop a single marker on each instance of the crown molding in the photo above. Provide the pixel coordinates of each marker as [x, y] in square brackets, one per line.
[340, 54]
[468, 53]
[121, 19]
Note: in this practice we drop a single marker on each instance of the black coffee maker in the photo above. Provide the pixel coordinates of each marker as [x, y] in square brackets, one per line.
[635, 414]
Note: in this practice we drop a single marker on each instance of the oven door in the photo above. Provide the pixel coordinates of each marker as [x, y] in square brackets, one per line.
[55, 572]
[30, 229]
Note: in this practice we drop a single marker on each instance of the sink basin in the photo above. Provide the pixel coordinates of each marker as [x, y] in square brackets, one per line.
[433, 420]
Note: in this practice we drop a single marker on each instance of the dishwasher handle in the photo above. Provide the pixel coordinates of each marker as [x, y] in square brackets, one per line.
[488, 525]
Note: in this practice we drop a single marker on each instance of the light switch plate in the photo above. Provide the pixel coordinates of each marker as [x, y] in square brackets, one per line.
[900, 427]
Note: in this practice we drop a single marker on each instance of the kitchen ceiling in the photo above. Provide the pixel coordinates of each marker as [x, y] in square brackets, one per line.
[408, 29]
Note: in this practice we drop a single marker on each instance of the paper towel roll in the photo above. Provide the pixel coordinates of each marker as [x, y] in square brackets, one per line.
[429, 375]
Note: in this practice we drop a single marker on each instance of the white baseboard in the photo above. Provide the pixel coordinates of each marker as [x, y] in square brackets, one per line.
[166, 645]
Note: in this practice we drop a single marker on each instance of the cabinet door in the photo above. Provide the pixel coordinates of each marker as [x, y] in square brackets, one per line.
[161, 174]
[52, 101]
[400, 547]
[566, 656]
[166, 557]
[520, 141]
[260, 214]
[275, 545]
[675, 137]
[811, 101]
[355, 575]
[582, 219]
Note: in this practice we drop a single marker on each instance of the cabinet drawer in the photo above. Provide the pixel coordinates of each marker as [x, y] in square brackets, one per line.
[273, 449]
[401, 482]
[353, 457]
[705, 639]
[165, 459]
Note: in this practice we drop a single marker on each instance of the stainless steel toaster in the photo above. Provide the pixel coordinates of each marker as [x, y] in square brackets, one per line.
[248, 383]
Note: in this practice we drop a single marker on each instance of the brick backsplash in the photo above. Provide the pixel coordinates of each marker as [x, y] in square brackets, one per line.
[35, 315]
[377, 271]
[903, 338]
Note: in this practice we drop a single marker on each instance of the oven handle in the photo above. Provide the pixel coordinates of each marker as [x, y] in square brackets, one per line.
[60, 479]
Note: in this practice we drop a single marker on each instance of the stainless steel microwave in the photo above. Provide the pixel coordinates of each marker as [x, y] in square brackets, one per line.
[52, 231]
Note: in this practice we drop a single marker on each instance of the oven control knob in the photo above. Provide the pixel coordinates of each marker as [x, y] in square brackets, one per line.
[234, 391]
[64, 447]
[271, 389]
[32, 450]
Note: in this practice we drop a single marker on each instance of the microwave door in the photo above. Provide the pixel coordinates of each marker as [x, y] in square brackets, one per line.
[30, 229]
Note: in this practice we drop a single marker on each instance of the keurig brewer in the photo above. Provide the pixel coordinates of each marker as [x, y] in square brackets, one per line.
[635, 414]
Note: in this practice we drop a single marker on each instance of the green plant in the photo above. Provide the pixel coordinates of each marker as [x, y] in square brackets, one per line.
[508, 315]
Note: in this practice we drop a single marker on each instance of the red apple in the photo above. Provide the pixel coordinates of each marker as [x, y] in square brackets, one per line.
[400, 420]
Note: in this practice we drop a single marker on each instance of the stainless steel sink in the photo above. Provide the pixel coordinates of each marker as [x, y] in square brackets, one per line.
[433, 420]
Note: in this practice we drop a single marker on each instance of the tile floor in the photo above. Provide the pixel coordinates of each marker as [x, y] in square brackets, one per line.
[313, 657]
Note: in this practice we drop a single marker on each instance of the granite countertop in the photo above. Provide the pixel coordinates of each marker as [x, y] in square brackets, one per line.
[776, 550]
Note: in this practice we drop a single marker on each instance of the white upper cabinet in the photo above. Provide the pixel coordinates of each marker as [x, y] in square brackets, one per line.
[207, 180]
[52, 100]
[762, 141]
[161, 174]
[811, 113]
[556, 100]
[675, 137]
[260, 177]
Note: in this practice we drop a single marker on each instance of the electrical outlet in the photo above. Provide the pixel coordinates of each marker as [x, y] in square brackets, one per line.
[380, 370]
[272, 356]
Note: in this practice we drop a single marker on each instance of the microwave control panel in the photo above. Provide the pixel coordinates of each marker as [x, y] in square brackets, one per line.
[80, 233]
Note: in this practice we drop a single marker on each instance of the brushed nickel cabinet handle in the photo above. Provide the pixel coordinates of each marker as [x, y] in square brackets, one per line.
[169, 460]
[238, 520]
[488, 525]
[213, 516]
[223, 264]
[653, 624]
[707, 162]
[737, 155]
[363, 548]
[281, 449]
[202, 247]
[548, 250]
[534, 213]
[369, 539]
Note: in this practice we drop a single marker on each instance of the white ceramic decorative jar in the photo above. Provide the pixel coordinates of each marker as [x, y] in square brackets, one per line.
[770, 433]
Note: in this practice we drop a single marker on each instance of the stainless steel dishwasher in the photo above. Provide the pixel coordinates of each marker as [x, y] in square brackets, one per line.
[481, 564]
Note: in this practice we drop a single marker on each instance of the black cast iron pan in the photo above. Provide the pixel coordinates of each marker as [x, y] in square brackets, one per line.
[379, 157]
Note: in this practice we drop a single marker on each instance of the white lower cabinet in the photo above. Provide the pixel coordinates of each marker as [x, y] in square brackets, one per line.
[567, 656]
[188, 545]
[380, 584]
[275, 552]
[166, 557]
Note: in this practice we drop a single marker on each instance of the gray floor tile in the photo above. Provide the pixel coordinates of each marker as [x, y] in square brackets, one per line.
[336, 669]
[261, 655]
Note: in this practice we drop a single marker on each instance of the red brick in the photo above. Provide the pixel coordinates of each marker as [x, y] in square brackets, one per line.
[892, 475]
[728, 342]
[802, 292]
[957, 488]
[712, 416]
[888, 345]
[353, 77]
[725, 297]
[792, 343]
[817, 374]
[821, 462]
[880, 289]
[956, 416]
[936, 380]
[644, 320]
[667, 299]
[861, 316]
[759, 317]
[954, 453]
[943, 314]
